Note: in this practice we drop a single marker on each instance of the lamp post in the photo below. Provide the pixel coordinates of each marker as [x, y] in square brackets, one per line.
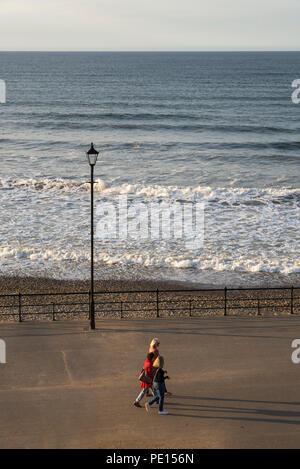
[92, 156]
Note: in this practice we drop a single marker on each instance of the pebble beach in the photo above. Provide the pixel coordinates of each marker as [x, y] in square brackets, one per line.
[51, 299]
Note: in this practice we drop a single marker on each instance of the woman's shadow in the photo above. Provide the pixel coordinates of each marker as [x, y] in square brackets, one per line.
[233, 409]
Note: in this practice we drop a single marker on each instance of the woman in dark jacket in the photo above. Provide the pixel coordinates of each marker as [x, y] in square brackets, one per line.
[154, 345]
[158, 386]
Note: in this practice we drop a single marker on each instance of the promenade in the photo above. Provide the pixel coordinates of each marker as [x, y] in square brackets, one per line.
[233, 381]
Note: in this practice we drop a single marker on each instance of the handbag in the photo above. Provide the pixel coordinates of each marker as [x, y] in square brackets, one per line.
[144, 377]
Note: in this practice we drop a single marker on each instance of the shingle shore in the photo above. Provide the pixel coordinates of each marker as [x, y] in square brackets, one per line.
[134, 303]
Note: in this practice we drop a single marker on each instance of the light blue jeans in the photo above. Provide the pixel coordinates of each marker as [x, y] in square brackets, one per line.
[141, 395]
[159, 395]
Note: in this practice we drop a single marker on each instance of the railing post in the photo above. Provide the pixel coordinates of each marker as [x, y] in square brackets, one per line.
[53, 312]
[90, 305]
[225, 301]
[292, 300]
[190, 308]
[20, 307]
[258, 307]
[121, 309]
[157, 303]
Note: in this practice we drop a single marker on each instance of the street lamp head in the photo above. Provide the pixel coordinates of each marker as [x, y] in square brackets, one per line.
[92, 155]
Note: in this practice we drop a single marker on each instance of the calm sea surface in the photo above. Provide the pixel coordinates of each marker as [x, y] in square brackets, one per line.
[217, 128]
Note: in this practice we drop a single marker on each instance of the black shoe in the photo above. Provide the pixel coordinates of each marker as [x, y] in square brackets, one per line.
[137, 404]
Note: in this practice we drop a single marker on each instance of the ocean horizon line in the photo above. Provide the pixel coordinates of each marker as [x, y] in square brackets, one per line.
[153, 51]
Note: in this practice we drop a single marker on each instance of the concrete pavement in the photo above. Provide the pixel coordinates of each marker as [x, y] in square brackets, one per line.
[233, 380]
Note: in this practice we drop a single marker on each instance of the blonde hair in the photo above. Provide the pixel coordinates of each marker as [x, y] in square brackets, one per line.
[159, 362]
[154, 342]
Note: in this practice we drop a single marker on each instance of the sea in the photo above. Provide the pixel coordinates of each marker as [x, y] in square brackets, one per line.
[217, 128]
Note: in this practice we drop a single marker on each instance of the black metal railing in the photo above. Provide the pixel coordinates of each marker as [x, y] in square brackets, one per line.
[151, 303]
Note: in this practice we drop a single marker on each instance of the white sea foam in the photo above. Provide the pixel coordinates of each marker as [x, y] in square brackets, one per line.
[46, 222]
[232, 194]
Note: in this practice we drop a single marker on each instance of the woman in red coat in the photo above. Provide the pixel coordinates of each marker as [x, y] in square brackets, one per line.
[154, 348]
[145, 386]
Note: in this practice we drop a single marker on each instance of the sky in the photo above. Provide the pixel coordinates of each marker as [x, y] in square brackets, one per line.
[106, 25]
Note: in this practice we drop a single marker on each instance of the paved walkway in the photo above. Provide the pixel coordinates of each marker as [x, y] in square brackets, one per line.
[233, 381]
